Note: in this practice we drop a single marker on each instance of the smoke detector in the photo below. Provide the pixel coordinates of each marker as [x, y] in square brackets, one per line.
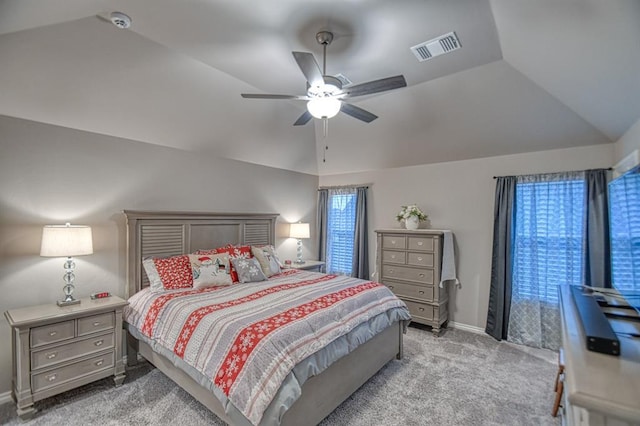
[120, 20]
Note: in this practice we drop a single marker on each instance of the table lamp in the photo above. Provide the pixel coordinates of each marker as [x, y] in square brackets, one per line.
[299, 231]
[66, 241]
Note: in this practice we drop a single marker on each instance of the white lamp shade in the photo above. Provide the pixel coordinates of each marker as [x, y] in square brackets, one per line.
[66, 241]
[324, 107]
[299, 230]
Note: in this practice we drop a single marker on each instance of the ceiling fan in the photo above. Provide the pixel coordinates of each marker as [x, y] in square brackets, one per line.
[325, 96]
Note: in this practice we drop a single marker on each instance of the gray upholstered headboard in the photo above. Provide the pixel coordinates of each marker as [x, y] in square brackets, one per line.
[162, 234]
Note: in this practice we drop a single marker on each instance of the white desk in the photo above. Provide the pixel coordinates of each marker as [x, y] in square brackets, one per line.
[599, 389]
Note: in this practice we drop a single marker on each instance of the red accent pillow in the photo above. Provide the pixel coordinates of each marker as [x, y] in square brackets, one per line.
[234, 252]
[175, 272]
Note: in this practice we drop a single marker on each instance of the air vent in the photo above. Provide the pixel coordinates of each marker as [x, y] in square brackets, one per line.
[430, 49]
[343, 79]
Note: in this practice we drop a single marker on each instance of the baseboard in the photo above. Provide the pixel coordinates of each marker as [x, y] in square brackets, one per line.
[465, 327]
[5, 397]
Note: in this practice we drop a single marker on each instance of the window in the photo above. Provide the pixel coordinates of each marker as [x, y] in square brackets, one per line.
[549, 237]
[341, 219]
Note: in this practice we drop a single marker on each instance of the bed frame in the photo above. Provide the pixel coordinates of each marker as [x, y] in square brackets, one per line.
[152, 233]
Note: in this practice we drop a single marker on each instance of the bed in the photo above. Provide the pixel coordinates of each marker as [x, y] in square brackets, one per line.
[313, 387]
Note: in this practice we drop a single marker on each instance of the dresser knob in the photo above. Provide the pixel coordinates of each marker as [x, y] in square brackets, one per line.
[420, 243]
[419, 259]
[52, 355]
[391, 271]
[393, 256]
[95, 324]
[53, 333]
[421, 292]
[100, 362]
[421, 275]
[51, 377]
[421, 309]
[390, 287]
[99, 343]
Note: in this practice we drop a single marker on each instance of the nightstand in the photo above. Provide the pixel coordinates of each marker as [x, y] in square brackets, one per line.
[309, 265]
[56, 349]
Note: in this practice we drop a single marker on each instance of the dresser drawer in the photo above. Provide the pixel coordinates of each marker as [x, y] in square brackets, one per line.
[58, 354]
[399, 257]
[420, 311]
[42, 381]
[420, 259]
[420, 292]
[52, 333]
[394, 241]
[410, 274]
[95, 323]
[421, 243]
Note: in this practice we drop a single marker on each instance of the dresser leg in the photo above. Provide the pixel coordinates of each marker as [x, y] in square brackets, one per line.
[435, 331]
[26, 412]
[119, 379]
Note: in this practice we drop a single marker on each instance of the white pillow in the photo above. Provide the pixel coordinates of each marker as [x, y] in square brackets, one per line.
[269, 261]
[210, 270]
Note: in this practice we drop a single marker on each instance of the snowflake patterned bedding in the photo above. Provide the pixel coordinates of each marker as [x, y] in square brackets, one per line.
[255, 344]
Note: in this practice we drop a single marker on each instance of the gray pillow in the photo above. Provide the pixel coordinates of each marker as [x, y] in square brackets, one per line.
[248, 270]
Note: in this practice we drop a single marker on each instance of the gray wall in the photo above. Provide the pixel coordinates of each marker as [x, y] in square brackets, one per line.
[629, 142]
[459, 196]
[51, 175]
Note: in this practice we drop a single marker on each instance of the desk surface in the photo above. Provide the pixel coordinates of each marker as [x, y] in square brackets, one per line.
[603, 383]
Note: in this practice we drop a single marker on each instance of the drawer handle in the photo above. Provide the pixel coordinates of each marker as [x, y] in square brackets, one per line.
[393, 256]
[390, 287]
[52, 355]
[420, 243]
[421, 275]
[53, 333]
[393, 241]
[419, 259]
[95, 324]
[421, 309]
[99, 362]
[51, 377]
[391, 271]
[421, 292]
[99, 343]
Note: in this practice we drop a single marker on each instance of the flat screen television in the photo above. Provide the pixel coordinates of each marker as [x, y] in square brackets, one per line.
[624, 221]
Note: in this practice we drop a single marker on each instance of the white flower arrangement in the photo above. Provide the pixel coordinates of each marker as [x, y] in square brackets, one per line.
[411, 210]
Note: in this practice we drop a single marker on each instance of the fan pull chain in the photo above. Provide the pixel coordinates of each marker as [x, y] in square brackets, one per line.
[325, 132]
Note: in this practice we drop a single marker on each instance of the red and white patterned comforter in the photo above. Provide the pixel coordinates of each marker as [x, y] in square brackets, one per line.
[247, 337]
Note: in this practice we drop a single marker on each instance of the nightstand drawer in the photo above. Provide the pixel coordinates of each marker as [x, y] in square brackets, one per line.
[394, 241]
[52, 333]
[95, 323]
[411, 291]
[58, 354]
[420, 311]
[420, 259]
[410, 274]
[420, 243]
[61, 375]
[394, 257]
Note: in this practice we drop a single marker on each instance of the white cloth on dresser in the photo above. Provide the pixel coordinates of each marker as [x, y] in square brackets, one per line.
[448, 260]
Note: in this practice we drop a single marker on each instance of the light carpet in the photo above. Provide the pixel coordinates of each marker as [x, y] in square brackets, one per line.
[460, 378]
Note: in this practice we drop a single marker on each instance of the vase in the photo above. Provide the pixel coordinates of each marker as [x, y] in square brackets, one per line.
[412, 223]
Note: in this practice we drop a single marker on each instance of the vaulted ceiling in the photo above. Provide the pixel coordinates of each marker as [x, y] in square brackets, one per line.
[531, 75]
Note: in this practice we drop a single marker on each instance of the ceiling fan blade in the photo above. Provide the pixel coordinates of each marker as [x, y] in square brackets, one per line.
[266, 96]
[376, 86]
[357, 112]
[303, 119]
[309, 68]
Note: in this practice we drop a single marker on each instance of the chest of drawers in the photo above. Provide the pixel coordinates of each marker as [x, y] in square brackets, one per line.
[56, 349]
[409, 262]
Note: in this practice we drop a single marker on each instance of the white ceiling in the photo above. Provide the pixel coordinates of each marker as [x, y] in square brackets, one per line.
[531, 75]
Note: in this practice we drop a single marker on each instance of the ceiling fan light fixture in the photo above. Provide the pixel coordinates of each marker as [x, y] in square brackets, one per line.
[324, 107]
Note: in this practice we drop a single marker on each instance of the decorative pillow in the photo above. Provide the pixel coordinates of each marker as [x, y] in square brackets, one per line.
[168, 273]
[248, 270]
[268, 262]
[233, 252]
[210, 270]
